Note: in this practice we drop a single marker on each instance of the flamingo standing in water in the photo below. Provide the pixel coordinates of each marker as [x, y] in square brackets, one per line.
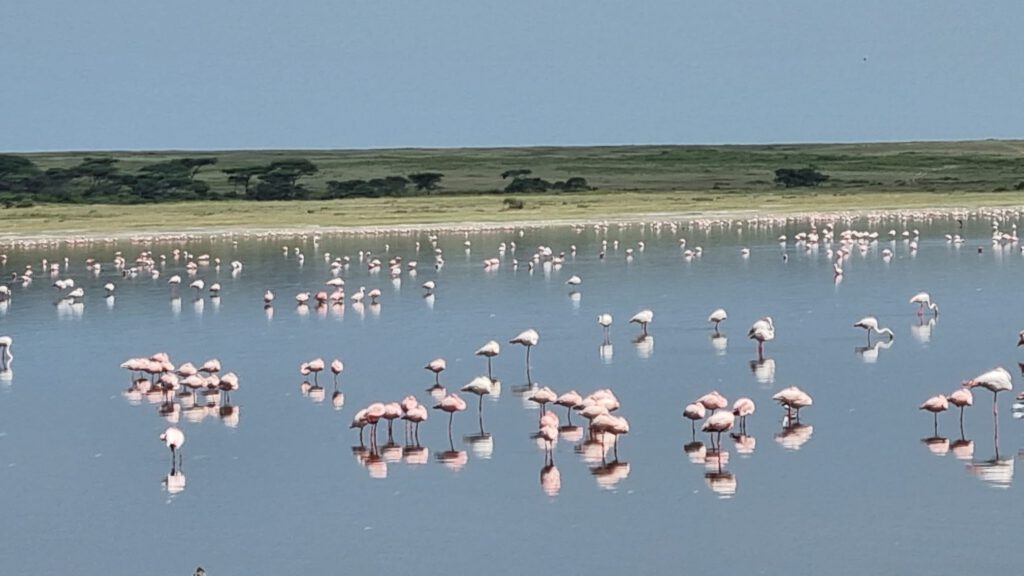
[316, 366]
[489, 350]
[997, 380]
[870, 324]
[336, 368]
[643, 318]
[436, 366]
[742, 408]
[961, 399]
[763, 331]
[528, 338]
[605, 320]
[793, 398]
[935, 404]
[481, 386]
[174, 439]
[717, 423]
[924, 300]
[717, 317]
[542, 397]
[694, 411]
[451, 404]
[713, 401]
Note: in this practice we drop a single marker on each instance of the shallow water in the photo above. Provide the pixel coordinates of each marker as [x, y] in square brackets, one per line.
[282, 485]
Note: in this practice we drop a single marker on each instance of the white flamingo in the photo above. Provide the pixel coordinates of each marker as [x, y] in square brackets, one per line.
[924, 300]
[763, 331]
[870, 324]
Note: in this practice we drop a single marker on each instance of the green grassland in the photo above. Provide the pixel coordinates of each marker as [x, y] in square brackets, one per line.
[626, 181]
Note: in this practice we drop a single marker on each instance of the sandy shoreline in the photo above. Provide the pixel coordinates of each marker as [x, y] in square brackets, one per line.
[78, 236]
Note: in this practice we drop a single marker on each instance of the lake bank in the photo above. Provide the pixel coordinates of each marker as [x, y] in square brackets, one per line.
[462, 212]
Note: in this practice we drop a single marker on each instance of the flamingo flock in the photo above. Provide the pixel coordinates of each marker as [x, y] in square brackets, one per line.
[191, 392]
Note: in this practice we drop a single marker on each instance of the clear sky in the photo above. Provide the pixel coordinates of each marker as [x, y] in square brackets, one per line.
[220, 74]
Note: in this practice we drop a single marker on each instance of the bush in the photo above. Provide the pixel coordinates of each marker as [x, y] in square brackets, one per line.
[796, 177]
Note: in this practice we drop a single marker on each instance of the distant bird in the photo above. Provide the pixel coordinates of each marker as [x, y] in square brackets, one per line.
[961, 399]
[316, 366]
[481, 386]
[713, 401]
[763, 331]
[198, 284]
[543, 397]
[694, 411]
[429, 286]
[935, 404]
[717, 317]
[174, 439]
[437, 366]
[451, 404]
[109, 287]
[528, 338]
[997, 380]
[489, 350]
[717, 423]
[793, 398]
[742, 408]
[336, 368]
[605, 320]
[870, 324]
[924, 300]
[643, 318]
[570, 400]
[574, 281]
[268, 297]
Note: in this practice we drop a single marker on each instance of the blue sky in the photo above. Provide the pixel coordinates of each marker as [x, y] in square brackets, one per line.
[225, 74]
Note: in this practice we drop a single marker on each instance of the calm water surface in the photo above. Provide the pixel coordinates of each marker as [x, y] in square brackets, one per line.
[860, 487]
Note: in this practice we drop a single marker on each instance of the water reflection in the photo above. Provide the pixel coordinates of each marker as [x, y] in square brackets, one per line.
[720, 344]
[869, 354]
[794, 434]
[922, 329]
[644, 345]
[763, 371]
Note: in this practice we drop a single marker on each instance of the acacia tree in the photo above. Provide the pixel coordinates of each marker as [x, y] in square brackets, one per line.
[426, 181]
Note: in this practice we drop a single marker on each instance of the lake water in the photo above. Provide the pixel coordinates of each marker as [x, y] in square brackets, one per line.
[280, 484]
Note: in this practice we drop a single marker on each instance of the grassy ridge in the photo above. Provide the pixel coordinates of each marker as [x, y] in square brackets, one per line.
[630, 180]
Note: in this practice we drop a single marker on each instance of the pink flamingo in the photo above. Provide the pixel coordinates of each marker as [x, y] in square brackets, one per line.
[717, 423]
[713, 401]
[542, 397]
[694, 411]
[742, 408]
[997, 380]
[961, 399]
[437, 366]
[336, 368]
[451, 404]
[763, 331]
[935, 404]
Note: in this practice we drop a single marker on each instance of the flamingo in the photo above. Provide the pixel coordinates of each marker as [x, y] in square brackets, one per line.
[528, 338]
[268, 298]
[643, 318]
[763, 331]
[574, 281]
[717, 317]
[713, 401]
[481, 386]
[961, 399]
[542, 397]
[436, 366]
[742, 408]
[570, 400]
[924, 300]
[211, 366]
[174, 439]
[997, 380]
[793, 398]
[416, 414]
[451, 404]
[489, 350]
[608, 424]
[935, 404]
[870, 324]
[336, 368]
[429, 286]
[359, 421]
[694, 411]
[605, 320]
[717, 423]
[316, 366]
